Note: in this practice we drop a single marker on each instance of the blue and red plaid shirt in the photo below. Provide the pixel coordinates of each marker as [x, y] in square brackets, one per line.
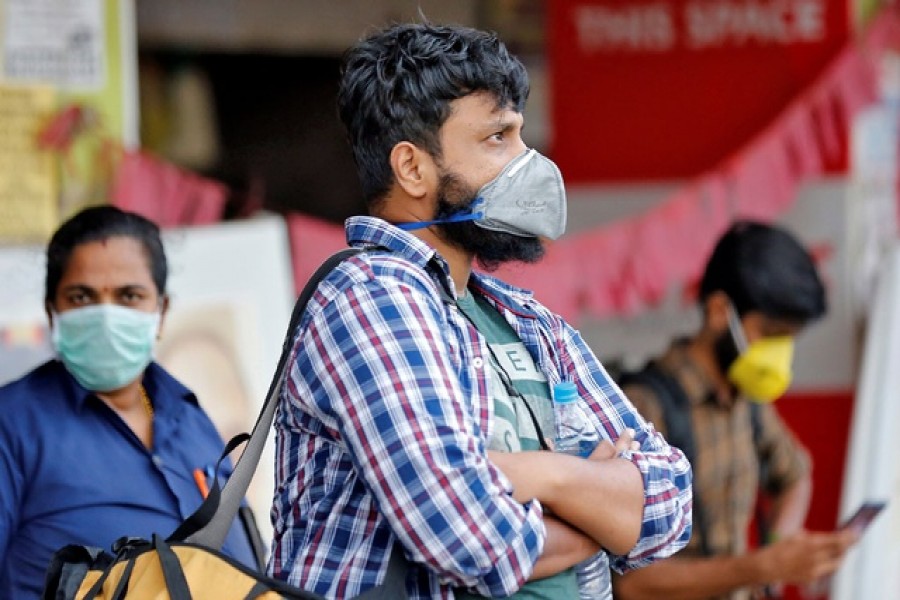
[382, 427]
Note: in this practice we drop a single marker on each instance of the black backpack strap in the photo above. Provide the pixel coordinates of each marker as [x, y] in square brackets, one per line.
[674, 403]
[207, 510]
[757, 427]
[676, 411]
[248, 520]
[219, 510]
[210, 530]
[760, 516]
[68, 568]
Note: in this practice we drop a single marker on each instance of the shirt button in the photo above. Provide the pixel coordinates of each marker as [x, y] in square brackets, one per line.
[477, 362]
[157, 460]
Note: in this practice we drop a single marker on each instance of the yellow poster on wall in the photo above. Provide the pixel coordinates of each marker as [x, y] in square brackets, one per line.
[28, 190]
[84, 53]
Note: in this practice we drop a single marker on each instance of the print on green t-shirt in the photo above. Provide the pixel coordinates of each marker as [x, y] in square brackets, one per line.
[514, 429]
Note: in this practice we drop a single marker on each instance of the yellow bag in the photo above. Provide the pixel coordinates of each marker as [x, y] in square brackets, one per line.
[160, 570]
[164, 570]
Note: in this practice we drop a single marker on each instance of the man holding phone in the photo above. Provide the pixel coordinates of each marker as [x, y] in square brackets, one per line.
[711, 395]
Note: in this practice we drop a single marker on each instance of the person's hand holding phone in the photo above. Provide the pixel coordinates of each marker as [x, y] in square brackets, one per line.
[853, 528]
[860, 520]
[805, 556]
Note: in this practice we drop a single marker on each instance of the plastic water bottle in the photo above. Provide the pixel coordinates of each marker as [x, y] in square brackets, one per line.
[576, 435]
[594, 582]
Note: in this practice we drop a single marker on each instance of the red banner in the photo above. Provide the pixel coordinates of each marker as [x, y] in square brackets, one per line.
[666, 89]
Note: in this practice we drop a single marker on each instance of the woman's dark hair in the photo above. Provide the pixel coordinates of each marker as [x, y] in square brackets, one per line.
[397, 85]
[764, 268]
[99, 223]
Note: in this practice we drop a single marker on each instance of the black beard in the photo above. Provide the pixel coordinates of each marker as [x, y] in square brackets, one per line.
[490, 248]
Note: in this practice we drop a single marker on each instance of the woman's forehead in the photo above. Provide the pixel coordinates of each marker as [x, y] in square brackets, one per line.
[112, 257]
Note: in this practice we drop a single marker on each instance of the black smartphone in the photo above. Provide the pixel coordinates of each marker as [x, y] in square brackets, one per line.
[863, 516]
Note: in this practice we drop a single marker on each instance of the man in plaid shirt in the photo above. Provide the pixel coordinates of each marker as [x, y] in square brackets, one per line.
[417, 400]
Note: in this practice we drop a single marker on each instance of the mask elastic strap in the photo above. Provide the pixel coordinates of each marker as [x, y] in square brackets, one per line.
[471, 213]
[737, 330]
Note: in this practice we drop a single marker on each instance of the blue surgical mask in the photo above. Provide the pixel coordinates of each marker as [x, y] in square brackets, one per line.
[105, 346]
[527, 198]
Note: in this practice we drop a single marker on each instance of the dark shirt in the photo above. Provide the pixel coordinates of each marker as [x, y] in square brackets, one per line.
[72, 471]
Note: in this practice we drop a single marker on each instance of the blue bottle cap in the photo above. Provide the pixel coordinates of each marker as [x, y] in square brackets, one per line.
[564, 392]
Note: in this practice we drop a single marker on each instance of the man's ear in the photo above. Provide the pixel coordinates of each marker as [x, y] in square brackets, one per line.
[715, 311]
[414, 169]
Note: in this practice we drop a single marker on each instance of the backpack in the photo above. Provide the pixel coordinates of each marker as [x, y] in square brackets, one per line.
[188, 563]
[675, 406]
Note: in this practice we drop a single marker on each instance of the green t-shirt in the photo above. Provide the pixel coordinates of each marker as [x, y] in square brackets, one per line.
[514, 428]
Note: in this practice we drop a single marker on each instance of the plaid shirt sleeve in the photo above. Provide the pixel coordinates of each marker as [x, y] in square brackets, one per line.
[374, 370]
[666, 473]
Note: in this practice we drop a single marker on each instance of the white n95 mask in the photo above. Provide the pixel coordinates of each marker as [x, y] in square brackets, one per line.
[527, 198]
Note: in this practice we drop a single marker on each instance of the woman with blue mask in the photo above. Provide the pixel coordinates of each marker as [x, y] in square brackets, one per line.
[101, 442]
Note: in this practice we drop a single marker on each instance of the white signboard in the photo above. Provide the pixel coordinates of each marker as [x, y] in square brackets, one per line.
[873, 471]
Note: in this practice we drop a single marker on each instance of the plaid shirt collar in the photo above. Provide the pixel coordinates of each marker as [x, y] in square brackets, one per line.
[372, 231]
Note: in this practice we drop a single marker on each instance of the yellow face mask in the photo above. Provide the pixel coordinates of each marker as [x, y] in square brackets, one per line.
[762, 370]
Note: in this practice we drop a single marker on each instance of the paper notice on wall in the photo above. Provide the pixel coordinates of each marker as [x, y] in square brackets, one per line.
[28, 179]
[57, 42]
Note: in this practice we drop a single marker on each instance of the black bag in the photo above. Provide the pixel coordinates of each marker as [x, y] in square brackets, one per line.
[188, 565]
